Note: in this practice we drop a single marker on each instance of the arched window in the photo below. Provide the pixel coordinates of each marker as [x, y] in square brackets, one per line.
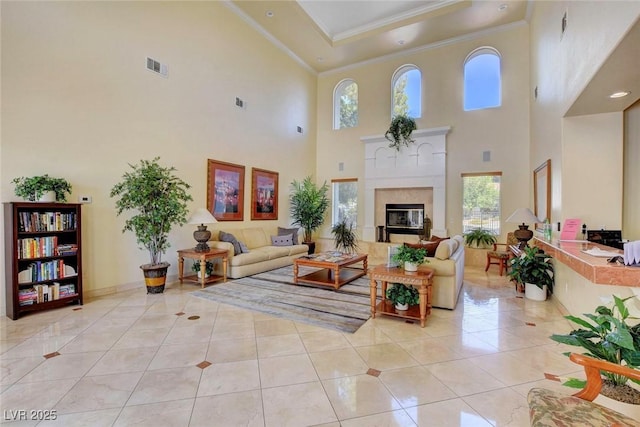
[406, 90]
[345, 104]
[482, 79]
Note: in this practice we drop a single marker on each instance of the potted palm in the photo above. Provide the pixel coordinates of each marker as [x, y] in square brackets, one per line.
[402, 296]
[534, 269]
[410, 257]
[43, 188]
[158, 199]
[344, 237]
[400, 130]
[479, 238]
[308, 203]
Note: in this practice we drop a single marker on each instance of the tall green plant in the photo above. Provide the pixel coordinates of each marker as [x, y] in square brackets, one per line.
[344, 236]
[609, 337]
[159, 199]
[308, 204]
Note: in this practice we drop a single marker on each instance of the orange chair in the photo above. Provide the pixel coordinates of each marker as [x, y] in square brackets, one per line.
[552, 409]
[501, 257]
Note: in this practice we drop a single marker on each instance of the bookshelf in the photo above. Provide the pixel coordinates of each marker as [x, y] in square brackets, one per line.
[43, 256]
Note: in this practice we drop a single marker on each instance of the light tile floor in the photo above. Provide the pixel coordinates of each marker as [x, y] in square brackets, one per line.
[137, 359]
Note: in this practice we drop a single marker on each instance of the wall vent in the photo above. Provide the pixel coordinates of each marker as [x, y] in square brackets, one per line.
[157, 67]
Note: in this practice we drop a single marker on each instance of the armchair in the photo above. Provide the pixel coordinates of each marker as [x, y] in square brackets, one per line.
[503, 255]
[548, 408]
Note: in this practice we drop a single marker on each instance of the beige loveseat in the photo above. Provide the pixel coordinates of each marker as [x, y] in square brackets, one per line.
[262, 255]
[448, 264]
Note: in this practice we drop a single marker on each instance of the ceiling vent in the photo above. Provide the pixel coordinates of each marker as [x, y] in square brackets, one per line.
[156, 67]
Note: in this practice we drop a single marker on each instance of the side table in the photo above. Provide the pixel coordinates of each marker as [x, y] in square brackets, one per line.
[421, 279]
[202, 257]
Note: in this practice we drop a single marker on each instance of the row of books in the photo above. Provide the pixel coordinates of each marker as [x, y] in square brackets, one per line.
[44, 293]
[44, 270]
[38, 247]
[46, 221]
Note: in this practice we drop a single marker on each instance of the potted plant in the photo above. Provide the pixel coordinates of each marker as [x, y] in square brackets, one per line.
[480, 238]
[158, 199]
[534, 269]
[308, 204]
[35, 187]
[400, 130]
[402, 296]
[410, 257]
[606, 335]
[344, 237]
[208, 270]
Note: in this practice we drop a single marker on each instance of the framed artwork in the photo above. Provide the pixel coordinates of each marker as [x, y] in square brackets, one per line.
[264, 194]
[542, 191]
[225, 190]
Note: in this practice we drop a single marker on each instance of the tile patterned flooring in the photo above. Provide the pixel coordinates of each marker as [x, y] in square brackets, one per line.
[137, 359]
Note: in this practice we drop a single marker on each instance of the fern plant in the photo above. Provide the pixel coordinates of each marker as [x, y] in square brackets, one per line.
[400, 130]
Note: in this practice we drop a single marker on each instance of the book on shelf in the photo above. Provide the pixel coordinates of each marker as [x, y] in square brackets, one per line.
[46, 221]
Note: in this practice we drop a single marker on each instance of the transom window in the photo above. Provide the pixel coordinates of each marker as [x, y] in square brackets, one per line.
[481, 201]
[345, 105]
[482, 79]
[406, 89]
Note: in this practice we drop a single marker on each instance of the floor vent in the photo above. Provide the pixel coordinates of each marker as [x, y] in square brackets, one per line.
[156, 67]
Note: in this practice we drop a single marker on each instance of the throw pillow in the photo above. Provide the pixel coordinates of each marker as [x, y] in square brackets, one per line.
[446, 248]
[245, 249]
[430, 247]
[282, 240]
[228, 237]
[292, 231]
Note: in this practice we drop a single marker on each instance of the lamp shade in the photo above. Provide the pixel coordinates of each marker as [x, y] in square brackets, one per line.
[524, 216]
[201, 216]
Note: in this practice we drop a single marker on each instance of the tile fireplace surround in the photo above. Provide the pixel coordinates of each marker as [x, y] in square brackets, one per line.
[421, 165]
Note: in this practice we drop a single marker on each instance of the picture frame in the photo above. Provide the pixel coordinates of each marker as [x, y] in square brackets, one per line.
[264, 194]
[225, 190]
[542, 192]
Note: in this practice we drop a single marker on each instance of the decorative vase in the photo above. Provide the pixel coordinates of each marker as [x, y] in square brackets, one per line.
[533, 292]
[402, 307]
[49, 196]
[410, 266]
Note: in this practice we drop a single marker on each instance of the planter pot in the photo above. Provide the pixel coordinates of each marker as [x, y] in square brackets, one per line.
[49, 196]
[200, 275]
[312, 246]
[155, 276]
[534, 293]
[402, 307]
[409, 266]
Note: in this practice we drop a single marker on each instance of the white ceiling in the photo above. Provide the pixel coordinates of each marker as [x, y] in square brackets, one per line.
[326, 35]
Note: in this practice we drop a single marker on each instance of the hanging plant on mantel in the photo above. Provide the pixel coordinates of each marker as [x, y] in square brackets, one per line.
[400, 130]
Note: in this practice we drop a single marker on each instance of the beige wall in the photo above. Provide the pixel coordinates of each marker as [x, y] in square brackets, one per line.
[561, 67]
[504, 131]
[631, 191]
[77, 102]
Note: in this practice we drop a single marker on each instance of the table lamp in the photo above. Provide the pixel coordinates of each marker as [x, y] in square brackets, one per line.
[523, 234]
[202, 216]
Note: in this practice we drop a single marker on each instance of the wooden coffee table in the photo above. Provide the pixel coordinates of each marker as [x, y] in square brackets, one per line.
[421, 279]
[334, 271]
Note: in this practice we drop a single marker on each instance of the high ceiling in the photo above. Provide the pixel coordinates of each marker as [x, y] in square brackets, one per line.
[327, 34]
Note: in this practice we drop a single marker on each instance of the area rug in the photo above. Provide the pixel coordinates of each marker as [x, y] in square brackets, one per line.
[274, 292]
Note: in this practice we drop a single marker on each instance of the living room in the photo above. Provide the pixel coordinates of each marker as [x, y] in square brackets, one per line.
[79, 103]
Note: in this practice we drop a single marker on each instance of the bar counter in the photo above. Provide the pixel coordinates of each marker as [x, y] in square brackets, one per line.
[595, 269]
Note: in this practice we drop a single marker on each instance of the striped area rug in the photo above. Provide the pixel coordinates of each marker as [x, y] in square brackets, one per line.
[273, 292]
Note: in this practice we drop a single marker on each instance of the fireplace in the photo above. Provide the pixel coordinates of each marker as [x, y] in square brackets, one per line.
[404, 218]
[419, 167]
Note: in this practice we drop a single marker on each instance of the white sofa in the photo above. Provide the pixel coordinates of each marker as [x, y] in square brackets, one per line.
[262, 255]
[448, 264]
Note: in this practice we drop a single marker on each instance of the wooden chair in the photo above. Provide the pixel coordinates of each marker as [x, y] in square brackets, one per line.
[502, 256]
[549, 408]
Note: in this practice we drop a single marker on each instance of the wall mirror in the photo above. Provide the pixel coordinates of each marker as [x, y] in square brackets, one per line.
[542, 191]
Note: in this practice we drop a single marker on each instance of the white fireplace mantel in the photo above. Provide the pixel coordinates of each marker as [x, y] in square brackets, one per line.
[422, 164]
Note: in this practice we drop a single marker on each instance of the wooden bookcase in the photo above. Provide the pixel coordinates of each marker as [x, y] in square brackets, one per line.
[43, 256]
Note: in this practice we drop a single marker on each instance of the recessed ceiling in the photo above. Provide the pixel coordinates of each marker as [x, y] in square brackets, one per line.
[343, 33]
